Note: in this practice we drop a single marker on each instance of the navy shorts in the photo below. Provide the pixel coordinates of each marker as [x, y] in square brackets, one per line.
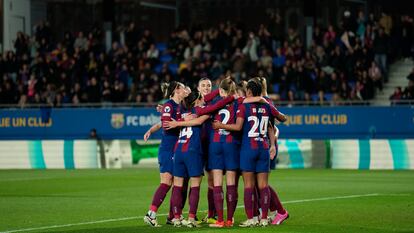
[224, 156]
[255, 160]
[165, 161]
[188, 164]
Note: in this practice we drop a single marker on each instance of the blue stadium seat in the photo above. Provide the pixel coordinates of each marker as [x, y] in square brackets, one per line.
[315, 97]
[173, 68]
[166, 58]
[158, 68]
[276, 88]
[161, 47]
[328, 96]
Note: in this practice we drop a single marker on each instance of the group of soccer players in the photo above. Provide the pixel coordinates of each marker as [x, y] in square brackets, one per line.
[227, 132]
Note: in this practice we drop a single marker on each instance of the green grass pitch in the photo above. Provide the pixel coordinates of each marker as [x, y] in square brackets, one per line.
[115, 201]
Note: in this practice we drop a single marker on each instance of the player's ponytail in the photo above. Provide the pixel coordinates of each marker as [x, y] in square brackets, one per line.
[241, 87]
[254, 87]
[228, 85]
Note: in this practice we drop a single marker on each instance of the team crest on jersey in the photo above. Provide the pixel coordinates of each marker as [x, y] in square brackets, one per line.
[117, 120]
[167, 109]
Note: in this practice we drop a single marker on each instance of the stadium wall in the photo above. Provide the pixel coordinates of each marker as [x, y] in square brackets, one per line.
[293, 153]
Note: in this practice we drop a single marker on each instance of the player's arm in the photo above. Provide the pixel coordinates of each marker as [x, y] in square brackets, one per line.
[214, 107]
[276, 114]
[209, 97]
[230, 127]
[152, 130]
[255, 99]
[194, 122]
[272, 139]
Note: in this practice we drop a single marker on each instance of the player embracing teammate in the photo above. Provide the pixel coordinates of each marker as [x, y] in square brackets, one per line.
[243, 140]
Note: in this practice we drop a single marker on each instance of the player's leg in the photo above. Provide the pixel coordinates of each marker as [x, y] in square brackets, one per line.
[262, 170]
[231, 196]
[176, 200]
[249, 183]
[166, 178]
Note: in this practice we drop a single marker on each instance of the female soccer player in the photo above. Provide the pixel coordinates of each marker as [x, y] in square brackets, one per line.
[176, 92]
[277, 212]
[188, 157]
[224, 156]
[253, 120]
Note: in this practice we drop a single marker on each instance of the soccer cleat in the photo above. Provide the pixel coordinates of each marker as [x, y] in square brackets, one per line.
[218, 224]
[176, 222]
[280, 218]
[169, 220]
[229, 223]
[152, 221]
[209, 220]
[272, 216]
[190, 223]
[264, 223]
[249, 223]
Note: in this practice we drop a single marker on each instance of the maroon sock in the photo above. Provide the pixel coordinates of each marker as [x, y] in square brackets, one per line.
[256, 202]
[264, 201]
[184, 192]
[231, 199]
[210, 200]
[218, 202]
[248, 202]
[159, 196]
[176, 201]
[194, 198]
[275, 202]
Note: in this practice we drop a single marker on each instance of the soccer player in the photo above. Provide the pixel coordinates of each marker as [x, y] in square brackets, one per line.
[188, 157]
[253, 120]
[224, 156]
[175, 92]
[278, 213]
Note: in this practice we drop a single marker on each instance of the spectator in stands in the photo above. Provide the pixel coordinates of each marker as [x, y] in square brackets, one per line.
[381, 47]
[375, 74]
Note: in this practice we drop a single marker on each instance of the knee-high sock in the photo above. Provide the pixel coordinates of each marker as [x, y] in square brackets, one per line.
[210, 200]
[176, 201]
[264, 201]
[231, 199]
[194, 198]
[275, 203]
[159, 196]
[218, 202]
[248, 202]
[256, 202]
[184, 192]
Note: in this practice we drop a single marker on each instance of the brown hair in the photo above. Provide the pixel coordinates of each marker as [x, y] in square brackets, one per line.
[242, 86]
[169, 88]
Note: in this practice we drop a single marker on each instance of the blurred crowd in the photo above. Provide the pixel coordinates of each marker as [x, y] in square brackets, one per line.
[348, 61]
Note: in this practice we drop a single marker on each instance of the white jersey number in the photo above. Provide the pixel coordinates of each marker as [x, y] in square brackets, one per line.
[259, 127]
[226, 114]
[186, 132]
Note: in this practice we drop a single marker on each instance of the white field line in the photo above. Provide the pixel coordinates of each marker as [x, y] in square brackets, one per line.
[240, 206]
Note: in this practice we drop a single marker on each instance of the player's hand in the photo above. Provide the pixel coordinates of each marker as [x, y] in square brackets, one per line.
[282, 117]
[170, 124]
[216, 124]
[147, 135]
[272, 152]
[190, 117]
[159, 108]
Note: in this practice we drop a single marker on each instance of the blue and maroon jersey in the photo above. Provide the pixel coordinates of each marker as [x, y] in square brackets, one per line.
[226, 115]
[256, 121]
[170, 110]
[189, 138]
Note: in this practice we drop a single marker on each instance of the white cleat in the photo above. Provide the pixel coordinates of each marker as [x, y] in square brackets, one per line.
[249, 223]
